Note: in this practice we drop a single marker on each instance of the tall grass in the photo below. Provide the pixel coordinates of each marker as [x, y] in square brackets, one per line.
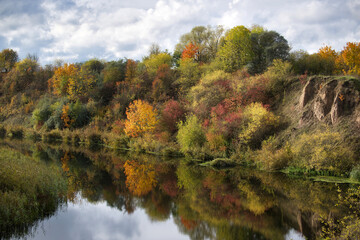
[29, 191]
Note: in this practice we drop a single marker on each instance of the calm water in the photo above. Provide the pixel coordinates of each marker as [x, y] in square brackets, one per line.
[128, 196]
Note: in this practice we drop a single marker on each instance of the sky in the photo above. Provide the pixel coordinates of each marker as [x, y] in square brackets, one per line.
[78, 30]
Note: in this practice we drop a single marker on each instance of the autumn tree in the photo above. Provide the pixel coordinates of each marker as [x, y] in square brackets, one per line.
[130, 73]
[172, 113]
[207, 40]
[237, 49]
[71, 82]
[154, 61]
[191, 51]
[21, 76]
[140, 177]
[8, 59]
[93, 65]
[141, 118]
[349, 58]
[328, 55]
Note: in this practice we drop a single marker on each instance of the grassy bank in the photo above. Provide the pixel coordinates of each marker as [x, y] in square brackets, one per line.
[29, 191]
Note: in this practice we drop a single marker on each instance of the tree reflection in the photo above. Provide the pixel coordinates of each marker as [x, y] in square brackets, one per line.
[140, 177]
[238, 203]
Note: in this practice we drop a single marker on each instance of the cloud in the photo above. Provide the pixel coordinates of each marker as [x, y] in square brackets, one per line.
[76, 30]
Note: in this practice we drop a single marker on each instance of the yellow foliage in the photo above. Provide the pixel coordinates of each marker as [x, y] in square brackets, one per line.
[140, 177]
[349, 59]
[70, 81]
[258, 121]
[65, 116]
[141, 118]
[323, 151]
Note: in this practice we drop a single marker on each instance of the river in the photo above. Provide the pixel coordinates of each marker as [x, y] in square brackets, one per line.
[132, 196]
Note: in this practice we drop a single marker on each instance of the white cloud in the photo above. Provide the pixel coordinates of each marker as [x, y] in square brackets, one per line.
[78, 29]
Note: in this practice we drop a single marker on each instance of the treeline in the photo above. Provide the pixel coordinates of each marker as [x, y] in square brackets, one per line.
[213, 96]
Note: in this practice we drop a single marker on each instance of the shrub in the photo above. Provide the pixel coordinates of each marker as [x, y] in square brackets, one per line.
[270, 157]
[277, 75]
[259, 122]
[190, 135]
[323, 151]
[172, 113]
[355, 173]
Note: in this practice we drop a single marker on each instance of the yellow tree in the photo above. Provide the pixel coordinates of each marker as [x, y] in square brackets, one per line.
[70, 81]
[141, 118]
[328, 57]
[140, 177]
[349, 59]
[59, 83]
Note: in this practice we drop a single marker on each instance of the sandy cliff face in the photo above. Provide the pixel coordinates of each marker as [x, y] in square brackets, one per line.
[329, 100]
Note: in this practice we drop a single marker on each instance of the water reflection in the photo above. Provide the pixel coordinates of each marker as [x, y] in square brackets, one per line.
[127, 196]
[85, 220]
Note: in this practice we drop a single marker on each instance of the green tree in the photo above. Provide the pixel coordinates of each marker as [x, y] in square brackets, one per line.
[207, 39]
[190, 136]
[267, 46]
[154, 61]
[236, 51]
[8, 59]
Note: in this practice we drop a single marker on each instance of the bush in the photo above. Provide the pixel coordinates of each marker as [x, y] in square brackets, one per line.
[258, 123]
[190, 135]
[355, 173]
[271, 157]
[277, 75]
[323, 151]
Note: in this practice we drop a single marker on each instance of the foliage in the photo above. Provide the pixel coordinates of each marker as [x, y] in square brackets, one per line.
[212, 89]
[329, 55]
[206, 39]
[349, 58]
[93, 65]
[258, 123]
[172, 113]
[271, 157]
[267, 46]
[154, 61]
[191, 51]
[140, 177]
[190, 74]
[312, 64]
[323, 151]
[72, 82]
[29, 190]
[114, 71]
[141, 118]
[278, 74]
[237, 49]
[347, 227]
[8, 59]
[190, 136]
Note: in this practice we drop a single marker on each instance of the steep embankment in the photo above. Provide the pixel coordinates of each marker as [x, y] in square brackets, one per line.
[322, 116]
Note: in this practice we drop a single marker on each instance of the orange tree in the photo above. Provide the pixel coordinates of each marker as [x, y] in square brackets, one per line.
[141, 118]
[140, 177]
[349, 59]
